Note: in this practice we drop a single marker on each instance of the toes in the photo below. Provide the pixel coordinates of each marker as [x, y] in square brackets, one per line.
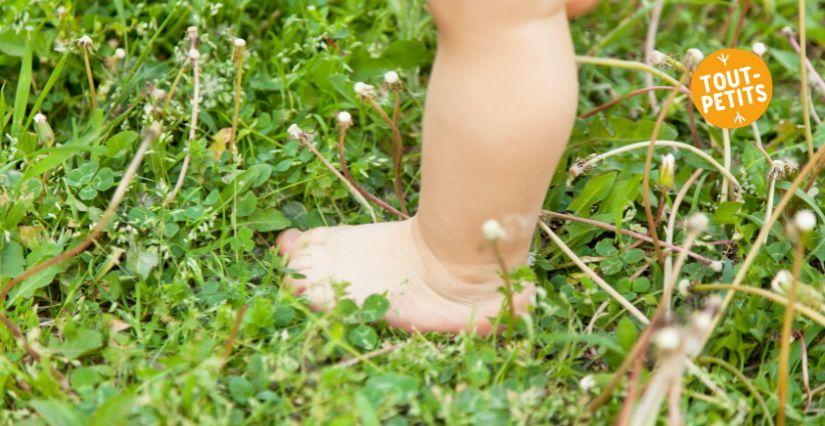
[289, 241]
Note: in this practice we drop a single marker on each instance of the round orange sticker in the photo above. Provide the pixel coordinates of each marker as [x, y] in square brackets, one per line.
[731, 88]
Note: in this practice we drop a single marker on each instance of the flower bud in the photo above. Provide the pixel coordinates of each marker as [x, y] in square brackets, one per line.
[587, 382]
[44, 131]
[716, 266]
[239, 43]
[492, 230]
[194, 54]
[120, 53]
[683, 287]
[666, 171]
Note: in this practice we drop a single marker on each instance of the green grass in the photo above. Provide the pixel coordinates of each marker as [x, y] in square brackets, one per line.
[133, 331]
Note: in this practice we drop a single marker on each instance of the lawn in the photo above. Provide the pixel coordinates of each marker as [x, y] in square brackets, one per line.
[167, 306]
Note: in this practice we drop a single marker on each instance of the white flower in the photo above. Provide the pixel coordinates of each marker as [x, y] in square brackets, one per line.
[391, 77]
[697, 222]
[344, 118]
[587, 382]
[194, 54]
[667, 339]
[120, 53]
[657, 57]
[85, 42]
[805, 220]
[716, 266]
[364, 90]
[294, 131]
[492, 230]
[692, 58]
[759, 48]
[239, 42]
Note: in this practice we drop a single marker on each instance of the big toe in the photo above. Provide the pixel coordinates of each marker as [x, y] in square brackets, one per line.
[288, 241]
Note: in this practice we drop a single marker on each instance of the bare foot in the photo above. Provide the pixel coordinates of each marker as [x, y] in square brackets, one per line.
[425, 294]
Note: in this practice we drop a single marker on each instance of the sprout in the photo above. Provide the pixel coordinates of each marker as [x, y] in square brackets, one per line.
[364, 90]
[667, 339]
[805, 221]
[492, 230]
[759, 48]
[295, 132]
[120, 53]
[697, 223]
[666, 171]
[692, 58]
[657, 57]
[344, 119]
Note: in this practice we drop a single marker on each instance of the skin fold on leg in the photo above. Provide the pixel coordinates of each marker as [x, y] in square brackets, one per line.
[500, 107]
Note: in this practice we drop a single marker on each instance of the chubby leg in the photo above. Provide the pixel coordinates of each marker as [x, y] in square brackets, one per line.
[499, 110]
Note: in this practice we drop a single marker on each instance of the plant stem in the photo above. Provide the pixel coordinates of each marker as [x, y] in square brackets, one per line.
[671, 222]
[342, 160]
[239, 55]
[508, 287]
[625, 97]
[673, 144]
[193, 120]
[650, 42]
[787, 326]
[742, 378]
[397, 154]
[726, 162]
[90, 76]
[632, 65]
[811, 314]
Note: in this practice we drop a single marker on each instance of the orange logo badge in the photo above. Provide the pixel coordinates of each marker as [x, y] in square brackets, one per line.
[731, 88]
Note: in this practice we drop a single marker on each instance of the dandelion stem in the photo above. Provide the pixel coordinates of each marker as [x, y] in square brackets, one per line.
[397, 153]
[671, 222]
[811, 314]
[625, 97]
[239, 56]
[193, 120]
[632, 65]
[90, 76]
[727, 162]
[803, 77]
[508, 287]
[650, 43]
[342, 160]
[673, 144]
[787, 328]
[352, 189]
[233, 335]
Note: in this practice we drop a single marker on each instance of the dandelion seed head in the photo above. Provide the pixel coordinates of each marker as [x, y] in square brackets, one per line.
[667, 339]
[657, 57]
[692, 58]
[364, 90]
[194, 54]
[391, 77]
[759, 48]
[697, 222]
[492, 230]
[587, 382]
[294, 131]
[805, 220]
[85, 42]
[239, 43]
[120, 53]
[344, 118]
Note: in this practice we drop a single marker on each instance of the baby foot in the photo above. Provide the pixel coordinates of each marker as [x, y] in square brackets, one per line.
[425, 294]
